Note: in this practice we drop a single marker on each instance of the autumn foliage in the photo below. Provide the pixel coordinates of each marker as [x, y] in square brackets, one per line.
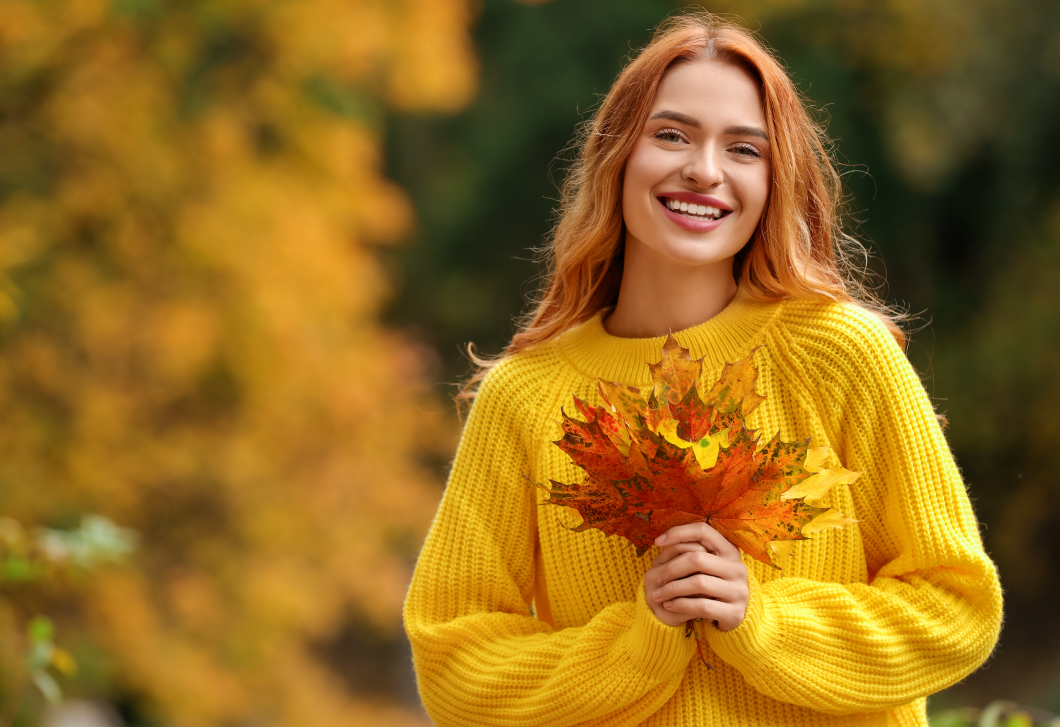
[190, 196]
[672, 456]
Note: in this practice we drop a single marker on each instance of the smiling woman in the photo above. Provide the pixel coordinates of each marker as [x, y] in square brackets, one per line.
[704, 203]
[694, 189]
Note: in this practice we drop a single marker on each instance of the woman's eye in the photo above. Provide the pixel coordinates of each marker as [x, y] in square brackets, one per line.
[746, 150]
[671, 135]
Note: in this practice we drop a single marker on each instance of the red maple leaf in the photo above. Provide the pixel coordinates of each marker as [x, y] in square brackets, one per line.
[675, 456]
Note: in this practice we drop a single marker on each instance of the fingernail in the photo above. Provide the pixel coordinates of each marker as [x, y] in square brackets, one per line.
[661, 539]
[657, 594]
[668, 604]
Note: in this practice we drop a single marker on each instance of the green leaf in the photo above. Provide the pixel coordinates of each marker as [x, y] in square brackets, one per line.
[40, 629]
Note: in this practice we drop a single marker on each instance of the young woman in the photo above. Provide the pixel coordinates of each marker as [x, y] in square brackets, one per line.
[704, 203]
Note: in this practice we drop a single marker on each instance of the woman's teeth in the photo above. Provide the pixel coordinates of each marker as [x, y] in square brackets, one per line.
[693, 210]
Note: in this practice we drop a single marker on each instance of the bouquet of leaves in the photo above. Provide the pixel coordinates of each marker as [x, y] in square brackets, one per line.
[673, 456]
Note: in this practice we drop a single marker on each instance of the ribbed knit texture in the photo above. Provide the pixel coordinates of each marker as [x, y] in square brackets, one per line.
[516, 620]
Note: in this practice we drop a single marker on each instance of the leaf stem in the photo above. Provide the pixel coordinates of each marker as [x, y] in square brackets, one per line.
[692, 627]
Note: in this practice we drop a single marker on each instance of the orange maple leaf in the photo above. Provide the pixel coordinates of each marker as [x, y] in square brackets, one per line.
[675, 457]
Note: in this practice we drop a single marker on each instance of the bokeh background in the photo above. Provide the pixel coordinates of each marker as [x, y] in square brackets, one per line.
[242, 243]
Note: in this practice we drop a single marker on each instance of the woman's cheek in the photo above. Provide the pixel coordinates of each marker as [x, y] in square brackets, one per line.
[645, 168]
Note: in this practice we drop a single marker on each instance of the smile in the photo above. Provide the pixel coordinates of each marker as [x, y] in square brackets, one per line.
[693, 211]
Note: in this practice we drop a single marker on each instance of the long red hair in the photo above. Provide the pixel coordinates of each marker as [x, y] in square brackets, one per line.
[799, 249]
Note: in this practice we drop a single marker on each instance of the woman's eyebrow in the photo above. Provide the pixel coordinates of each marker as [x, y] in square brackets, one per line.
[690, 121]
[746, 131]
[678, 117]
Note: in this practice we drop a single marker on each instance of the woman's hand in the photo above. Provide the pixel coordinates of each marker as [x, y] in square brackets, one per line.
[698, 574]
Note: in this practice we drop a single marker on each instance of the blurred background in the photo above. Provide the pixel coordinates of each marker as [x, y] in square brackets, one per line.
[243, 241]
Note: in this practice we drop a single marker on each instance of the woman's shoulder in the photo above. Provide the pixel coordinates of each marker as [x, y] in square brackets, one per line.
[842, 329]
[518, 380]
[842, 349]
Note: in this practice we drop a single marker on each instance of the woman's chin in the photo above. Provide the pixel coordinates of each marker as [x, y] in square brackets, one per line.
[683, 254]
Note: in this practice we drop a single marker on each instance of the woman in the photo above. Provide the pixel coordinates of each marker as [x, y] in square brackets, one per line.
[704, 203]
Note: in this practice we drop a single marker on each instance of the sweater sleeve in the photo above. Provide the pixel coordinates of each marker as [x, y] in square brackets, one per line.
[481, 656]
[931, 612]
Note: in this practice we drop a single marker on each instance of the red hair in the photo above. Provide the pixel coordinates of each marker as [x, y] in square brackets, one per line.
[799, 249]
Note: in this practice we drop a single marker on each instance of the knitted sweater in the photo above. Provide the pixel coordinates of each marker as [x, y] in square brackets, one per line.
[516, 620]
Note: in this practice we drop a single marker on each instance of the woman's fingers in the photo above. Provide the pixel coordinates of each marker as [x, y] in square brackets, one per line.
[697, 574]
[697, 585]
[702, 533]
[686, 564]
[672, 551]
[725, 616]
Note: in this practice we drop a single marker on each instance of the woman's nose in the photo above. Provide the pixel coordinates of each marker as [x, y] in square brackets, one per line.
[702, 167]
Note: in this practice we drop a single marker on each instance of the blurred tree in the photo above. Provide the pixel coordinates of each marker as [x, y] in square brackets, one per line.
[946, 114]
[191, 196]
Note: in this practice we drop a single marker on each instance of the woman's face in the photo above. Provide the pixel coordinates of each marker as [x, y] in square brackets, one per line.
[697, 180]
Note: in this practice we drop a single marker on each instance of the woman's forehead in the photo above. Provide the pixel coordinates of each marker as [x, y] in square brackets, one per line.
[707, 90]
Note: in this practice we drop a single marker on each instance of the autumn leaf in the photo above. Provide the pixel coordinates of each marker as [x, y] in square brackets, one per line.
[674, 456]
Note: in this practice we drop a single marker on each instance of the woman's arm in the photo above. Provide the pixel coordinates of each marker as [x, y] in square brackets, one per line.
[932, 609]
[481, 657]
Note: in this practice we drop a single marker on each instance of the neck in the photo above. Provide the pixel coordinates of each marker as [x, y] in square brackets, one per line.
[659, 296]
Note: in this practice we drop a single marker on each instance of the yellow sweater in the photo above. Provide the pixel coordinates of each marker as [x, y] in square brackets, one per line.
[516, 620]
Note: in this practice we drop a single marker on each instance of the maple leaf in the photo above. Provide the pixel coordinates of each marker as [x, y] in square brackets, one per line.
[673, 456]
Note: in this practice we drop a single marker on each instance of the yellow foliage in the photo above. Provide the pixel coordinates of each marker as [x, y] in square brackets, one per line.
[190, 194]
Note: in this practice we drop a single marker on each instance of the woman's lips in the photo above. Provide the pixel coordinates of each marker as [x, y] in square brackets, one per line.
[687, 222]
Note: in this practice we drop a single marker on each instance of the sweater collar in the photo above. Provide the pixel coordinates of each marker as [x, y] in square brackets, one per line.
[727, 337]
